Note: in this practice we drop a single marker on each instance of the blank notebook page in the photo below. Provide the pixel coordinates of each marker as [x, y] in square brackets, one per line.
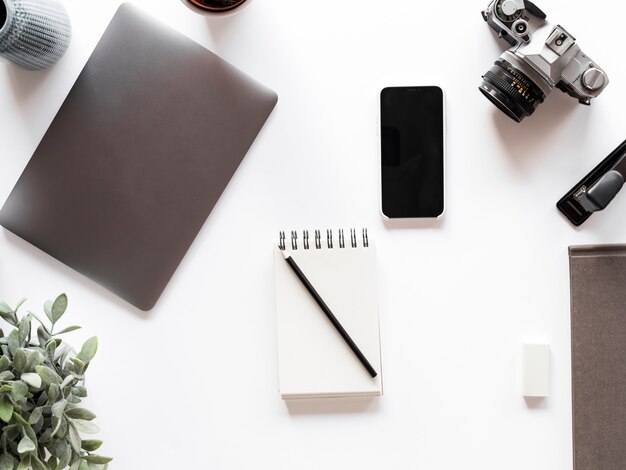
[314, 361]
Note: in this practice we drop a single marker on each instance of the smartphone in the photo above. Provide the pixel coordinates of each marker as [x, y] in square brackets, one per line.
[412, 145]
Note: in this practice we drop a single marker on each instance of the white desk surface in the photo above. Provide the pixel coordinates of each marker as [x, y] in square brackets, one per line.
[192, 384]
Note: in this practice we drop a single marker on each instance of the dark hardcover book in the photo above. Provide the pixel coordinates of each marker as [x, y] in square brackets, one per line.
[598, 315]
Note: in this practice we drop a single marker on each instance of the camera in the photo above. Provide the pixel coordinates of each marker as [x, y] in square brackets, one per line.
[542, 57]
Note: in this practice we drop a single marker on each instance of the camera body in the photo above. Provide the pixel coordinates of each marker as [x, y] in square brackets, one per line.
[542, 57]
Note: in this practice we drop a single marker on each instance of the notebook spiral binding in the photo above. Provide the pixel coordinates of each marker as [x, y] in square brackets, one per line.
[317, 234]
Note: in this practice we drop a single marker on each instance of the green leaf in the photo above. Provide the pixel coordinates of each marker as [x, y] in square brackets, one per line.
[79, 391]
[98, 459]
[37, 464]
[56, 422]
[58, 408]
[63, 429]
[84, 426]
[8, 317]
[26, 445]
[6, 409]
[18, 417]
[43, 398]
[80, 413]
[53, 393]
[4, 307]
[64, 352]
[74, 438]
[83, 465]
[42, 335]
[58, 308]
[73, 399]
[7, 462]
[89, 350]
[64, 460]
[4, 363]
[47, 308]
[35, 415]
[32, 379]
[7, 313]
[12, 431]
[35, 358]
[68, 329]
[14, 341]
[27, 429]
[19, 360]
[91, 445]
[19, 390]
[57, 448]
[50, 348]
[25, 463]
[23, 330]
[48, 375]
[56, 341]
[80, 365]
[46, 437]
[6, 375]
[67, 380]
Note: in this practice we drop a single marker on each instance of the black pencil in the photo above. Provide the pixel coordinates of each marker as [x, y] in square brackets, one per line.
[344, 334]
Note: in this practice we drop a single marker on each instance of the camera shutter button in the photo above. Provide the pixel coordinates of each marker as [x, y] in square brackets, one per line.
[593, 79]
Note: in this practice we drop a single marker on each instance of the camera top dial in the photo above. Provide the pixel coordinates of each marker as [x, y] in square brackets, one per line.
[508, 11]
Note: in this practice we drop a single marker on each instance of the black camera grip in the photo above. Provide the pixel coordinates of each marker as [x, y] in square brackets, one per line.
[534, 9]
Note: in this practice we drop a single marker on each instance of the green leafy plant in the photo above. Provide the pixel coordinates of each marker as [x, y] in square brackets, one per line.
[41, 387]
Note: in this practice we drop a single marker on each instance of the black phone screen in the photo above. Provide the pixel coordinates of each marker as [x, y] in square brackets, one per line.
[412, 151]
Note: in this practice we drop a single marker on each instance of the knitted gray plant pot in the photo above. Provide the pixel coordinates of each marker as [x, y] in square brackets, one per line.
[33, 33]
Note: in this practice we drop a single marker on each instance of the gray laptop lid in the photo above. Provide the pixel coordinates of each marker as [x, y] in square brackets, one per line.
[137, 156]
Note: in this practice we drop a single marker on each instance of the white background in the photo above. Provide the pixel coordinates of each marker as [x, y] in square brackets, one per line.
[192, 384]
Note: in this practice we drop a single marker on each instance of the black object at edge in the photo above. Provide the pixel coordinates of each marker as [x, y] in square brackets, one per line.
[600, 195]
[569, 206]
[534, 9]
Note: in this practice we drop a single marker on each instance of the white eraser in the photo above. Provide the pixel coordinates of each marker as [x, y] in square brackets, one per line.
[536, 370]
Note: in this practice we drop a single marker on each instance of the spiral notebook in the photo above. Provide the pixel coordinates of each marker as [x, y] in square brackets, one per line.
[313, 359]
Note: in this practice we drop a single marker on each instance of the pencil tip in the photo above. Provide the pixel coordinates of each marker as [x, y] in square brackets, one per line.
[284, 253]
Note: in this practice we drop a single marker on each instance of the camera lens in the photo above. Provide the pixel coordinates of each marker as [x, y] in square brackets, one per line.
[511, 91]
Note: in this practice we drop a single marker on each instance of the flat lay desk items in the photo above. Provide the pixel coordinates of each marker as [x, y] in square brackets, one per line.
[155, 127]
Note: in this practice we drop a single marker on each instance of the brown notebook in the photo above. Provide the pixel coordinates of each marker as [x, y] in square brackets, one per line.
[598, 310]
